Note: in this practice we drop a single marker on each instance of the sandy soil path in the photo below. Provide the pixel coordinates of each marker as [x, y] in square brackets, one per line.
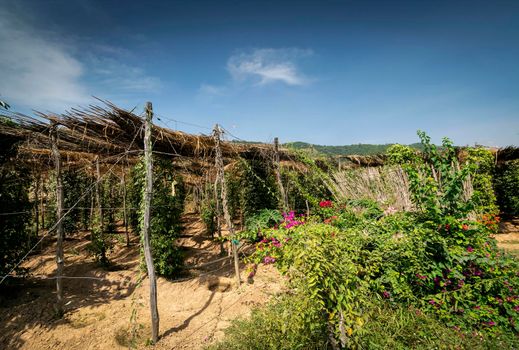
[109, 309]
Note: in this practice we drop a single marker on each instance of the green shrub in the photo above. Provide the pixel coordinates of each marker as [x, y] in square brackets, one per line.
[276, 326]
[482, 178]
[75, 184]
[307, 186]
[401, 154]
[438, 260]
[507, 187]
[208, 215]
[166, 211]
[14, 229]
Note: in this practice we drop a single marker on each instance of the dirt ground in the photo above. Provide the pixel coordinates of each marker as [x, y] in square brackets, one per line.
[111, 311]
[508, 238]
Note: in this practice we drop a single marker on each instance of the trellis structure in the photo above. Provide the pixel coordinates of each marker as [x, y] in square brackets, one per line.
[103, 136]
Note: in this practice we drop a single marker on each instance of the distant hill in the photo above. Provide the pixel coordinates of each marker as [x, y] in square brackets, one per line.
[363, 149]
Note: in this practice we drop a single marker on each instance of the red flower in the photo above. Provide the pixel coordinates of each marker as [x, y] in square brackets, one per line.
[325, 204]
[465, 227]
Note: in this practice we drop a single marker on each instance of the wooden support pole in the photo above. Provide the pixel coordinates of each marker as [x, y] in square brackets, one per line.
[59, 211]
[218, 211]
[91, 218]
[125, 213]
[101, 227]
[148, 161]
[221, 180]
[36, 209]
[98, 194]
[42, 204]
[284, 199]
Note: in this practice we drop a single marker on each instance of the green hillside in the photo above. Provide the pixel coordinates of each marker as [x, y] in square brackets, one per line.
[358, 149]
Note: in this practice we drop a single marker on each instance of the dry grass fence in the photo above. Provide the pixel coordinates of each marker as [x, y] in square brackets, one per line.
[387, 185]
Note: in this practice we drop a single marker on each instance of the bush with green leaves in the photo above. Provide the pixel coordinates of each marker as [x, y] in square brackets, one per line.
[75, 184]
[15, 229]
[276, 327]
[308, 186]
[402, 154]
[167, 206]
[208, 216]
[482, 180]
[454, 273]
[438, 260]
[507, 187]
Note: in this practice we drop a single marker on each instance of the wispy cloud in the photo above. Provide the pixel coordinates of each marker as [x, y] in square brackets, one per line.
[43, 70]
[214, 90]
[111, 74]
[267, 65]
[36, 71]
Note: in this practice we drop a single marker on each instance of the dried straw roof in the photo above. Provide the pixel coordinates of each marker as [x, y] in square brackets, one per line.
[108, 131]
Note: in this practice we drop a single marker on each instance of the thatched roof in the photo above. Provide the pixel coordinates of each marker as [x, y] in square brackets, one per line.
[108, 131]
[507, 153]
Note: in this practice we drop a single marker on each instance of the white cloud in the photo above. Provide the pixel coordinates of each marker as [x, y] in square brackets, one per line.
[36, 71]
[267, 65]
[44, 70]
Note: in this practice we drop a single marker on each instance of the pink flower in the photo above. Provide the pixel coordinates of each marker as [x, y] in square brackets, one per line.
[276, 243]
[465, 227]
[269, 260]
[470, 249]
[386, 294]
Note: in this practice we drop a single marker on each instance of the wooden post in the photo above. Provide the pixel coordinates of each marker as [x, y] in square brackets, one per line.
[59, 211]
[103, 259]
[42, 204]
[91, 218]
[148, 161]
[221, 179]
[284, 199]
[37, 208]
[218, 210]
[98, 194]
[125, 214]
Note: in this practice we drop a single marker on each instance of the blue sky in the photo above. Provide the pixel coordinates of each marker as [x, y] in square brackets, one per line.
[326, 72]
